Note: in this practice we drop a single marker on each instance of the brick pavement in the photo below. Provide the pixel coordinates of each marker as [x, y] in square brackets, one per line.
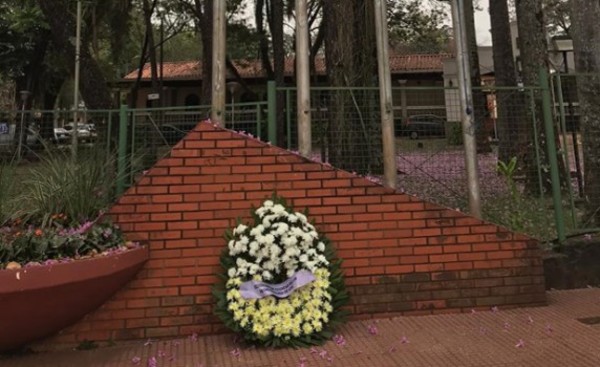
[551, 336]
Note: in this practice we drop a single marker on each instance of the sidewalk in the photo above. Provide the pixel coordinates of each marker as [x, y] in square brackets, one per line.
[545, 336]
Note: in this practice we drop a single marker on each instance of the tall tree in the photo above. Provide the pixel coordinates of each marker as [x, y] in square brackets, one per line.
[415, 29]
[507, 102]
[586, 41]
[534, 55]
[354, 131]
[479, 99]
[94, 88]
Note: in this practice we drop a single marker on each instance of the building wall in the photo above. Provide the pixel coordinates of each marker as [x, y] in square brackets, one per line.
[402, 256]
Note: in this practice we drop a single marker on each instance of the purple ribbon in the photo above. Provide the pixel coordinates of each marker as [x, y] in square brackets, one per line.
[257, 290]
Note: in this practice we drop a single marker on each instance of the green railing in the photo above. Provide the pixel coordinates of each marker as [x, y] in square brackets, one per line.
[545, 196]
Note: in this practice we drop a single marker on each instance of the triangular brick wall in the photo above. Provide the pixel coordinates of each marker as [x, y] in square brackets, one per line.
[402, 255]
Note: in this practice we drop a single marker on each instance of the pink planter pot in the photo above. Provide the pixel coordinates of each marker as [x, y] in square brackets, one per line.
[36, 302]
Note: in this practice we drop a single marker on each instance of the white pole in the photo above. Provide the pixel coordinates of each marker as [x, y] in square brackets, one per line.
[218, 70]
[466, 104]
[385, 95]
[303, 79]
[74, 132]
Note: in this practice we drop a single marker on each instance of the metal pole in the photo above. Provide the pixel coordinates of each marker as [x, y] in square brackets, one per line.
[272, 112]
[74, 133]
[218, 71]
[466, 102]
[553, 160]
[122, 151]
[385, 95]
[303, 79]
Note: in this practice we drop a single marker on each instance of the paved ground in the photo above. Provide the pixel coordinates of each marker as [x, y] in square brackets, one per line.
[545, 336]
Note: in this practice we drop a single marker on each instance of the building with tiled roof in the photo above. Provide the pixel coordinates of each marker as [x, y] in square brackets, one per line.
[182, 80]
[252, 69]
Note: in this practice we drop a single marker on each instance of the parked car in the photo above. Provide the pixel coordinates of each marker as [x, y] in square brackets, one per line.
[417, 126]
[85, 132]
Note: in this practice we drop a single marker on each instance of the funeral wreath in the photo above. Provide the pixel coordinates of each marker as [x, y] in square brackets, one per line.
[283, 285]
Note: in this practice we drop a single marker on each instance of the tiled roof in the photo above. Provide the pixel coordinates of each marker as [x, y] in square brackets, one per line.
[192, 70]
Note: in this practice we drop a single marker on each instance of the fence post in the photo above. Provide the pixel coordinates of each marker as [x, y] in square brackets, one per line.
[551, 145]
[272, 111]
[122, 152]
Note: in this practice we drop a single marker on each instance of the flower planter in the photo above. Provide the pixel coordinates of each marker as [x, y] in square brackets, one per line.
[39, 301]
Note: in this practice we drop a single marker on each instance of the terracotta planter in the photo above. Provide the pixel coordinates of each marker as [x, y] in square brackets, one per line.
[38, 301]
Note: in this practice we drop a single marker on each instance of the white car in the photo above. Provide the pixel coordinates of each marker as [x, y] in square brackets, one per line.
[85, 132]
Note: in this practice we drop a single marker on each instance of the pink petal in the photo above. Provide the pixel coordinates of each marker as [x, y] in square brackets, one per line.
[404, 340]
[495, 309]
[136, 360]
[373, 329]
[520, 344]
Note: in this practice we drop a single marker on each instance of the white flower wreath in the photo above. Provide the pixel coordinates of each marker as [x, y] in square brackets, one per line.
[281, 244]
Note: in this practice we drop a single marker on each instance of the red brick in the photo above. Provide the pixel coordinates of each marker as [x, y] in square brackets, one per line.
[380, 208]
[184, 171]
[443, 258]
[457, 248]
[488, 264]
[399, 269]
[150, 226]
[428, 232]
[427, 250]
[500, 255]
[421, 259]
[149, 190]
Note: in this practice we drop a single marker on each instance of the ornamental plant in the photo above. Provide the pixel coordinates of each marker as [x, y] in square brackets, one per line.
[281, 247]
[27, 245]
[53, 211]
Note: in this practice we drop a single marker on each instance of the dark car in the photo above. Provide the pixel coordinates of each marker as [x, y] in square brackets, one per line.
[417, 126]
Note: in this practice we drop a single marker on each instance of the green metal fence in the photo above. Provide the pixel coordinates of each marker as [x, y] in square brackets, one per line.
[543, 193]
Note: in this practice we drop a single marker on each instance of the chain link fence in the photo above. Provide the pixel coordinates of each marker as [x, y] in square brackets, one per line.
[531, 158]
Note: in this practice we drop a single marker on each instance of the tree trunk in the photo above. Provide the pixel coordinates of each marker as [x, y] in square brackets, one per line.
[277, 11]
[94, 89]
[586, 42]
[508, 103]
[534, 53]
[205, 25]
[353, 126]
[479, 99]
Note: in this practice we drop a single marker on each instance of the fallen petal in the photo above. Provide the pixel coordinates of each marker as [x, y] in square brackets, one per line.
[136, 360]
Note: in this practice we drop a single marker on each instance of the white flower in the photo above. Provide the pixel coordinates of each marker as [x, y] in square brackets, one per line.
[240, 229]
[266, 223]
[302, 217]
[257, 231]
[290, 273]
[254, 269]
[244, 240]
[268, 204]
[269, 265]
[278, 209]
[322, 259]
[266, 275]
[269, 239]
[313, 234]
[254, 246]
[231, 272]
[275, 251]
[292, 218]
[321, 246]
[289, 241]
[303, 258]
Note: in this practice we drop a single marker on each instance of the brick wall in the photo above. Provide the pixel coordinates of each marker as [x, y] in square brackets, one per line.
[402, 255]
